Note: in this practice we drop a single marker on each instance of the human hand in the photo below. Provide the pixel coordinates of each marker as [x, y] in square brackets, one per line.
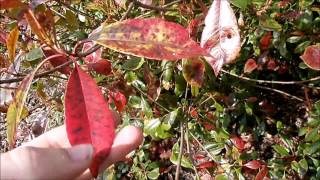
[50, 156]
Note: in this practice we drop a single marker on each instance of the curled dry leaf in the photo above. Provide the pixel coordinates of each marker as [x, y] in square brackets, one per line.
[193, 71]
[221, 36]
[16, 108]
[250, 66]
[254, 164]
[12, 43]
[152, 38]
[88, 117]
[311, 57]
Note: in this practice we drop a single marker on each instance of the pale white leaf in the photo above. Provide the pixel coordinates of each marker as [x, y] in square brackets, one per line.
[221, 36]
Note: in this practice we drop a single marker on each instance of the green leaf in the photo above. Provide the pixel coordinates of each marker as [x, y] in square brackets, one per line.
[281, 150]
[313, 135]
[301, 47]
[303, 4]
[221, 177]
[215, 148]
[146, 108]
[134, 101]
[34, 54]
[167, 68]
[185, 161]
[133, 64]
[180, 85]
[72, 20]
[242, 4]
[294, 39]
[154, 174]
[270, 24]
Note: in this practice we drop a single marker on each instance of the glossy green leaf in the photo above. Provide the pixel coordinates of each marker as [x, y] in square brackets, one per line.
[34, 54]
[185, 161]
[281, 150]
[133, 64]
[270, 24]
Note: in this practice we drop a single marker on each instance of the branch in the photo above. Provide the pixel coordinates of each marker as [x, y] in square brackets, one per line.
[280, 92]
[156, 8]
[180, 151]
[6, 81]
[74, 9]
[127, 12]
[272, 82]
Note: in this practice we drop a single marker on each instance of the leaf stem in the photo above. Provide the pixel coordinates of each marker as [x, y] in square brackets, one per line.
[180, 151]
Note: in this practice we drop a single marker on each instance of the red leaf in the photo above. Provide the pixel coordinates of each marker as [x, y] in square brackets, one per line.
[199, 156]
[207, 126]
[262, 174]
[119, 100]
[93, 57]
[101, 67]
[254, 164]
[194, 113]
[57, 61]
[3, 37]
[272, 65]
[265, 41]
[206, 165]
[193, 27]
[250, 66]
[153, 38]
[88, 118]
[7, 4]
[238, 142]
[311, 57]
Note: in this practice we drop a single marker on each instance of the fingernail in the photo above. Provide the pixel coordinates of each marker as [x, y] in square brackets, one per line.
[81, 152]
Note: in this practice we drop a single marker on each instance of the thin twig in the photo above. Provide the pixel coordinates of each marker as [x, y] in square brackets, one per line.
[6, 81]
[280, 92]
[130, 7]
[144, 94]
[74, 9]
[273, 82]
[155, 8]
[209, 154]
[89, 51]
[188, 151]
[180, 151]
[164, 6]
[6, 87]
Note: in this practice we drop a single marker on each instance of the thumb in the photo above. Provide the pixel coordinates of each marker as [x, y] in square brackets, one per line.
[46, 163]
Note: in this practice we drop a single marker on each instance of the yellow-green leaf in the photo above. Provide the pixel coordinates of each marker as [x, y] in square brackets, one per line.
[12, 43]
[36, 27]
[16, 108]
